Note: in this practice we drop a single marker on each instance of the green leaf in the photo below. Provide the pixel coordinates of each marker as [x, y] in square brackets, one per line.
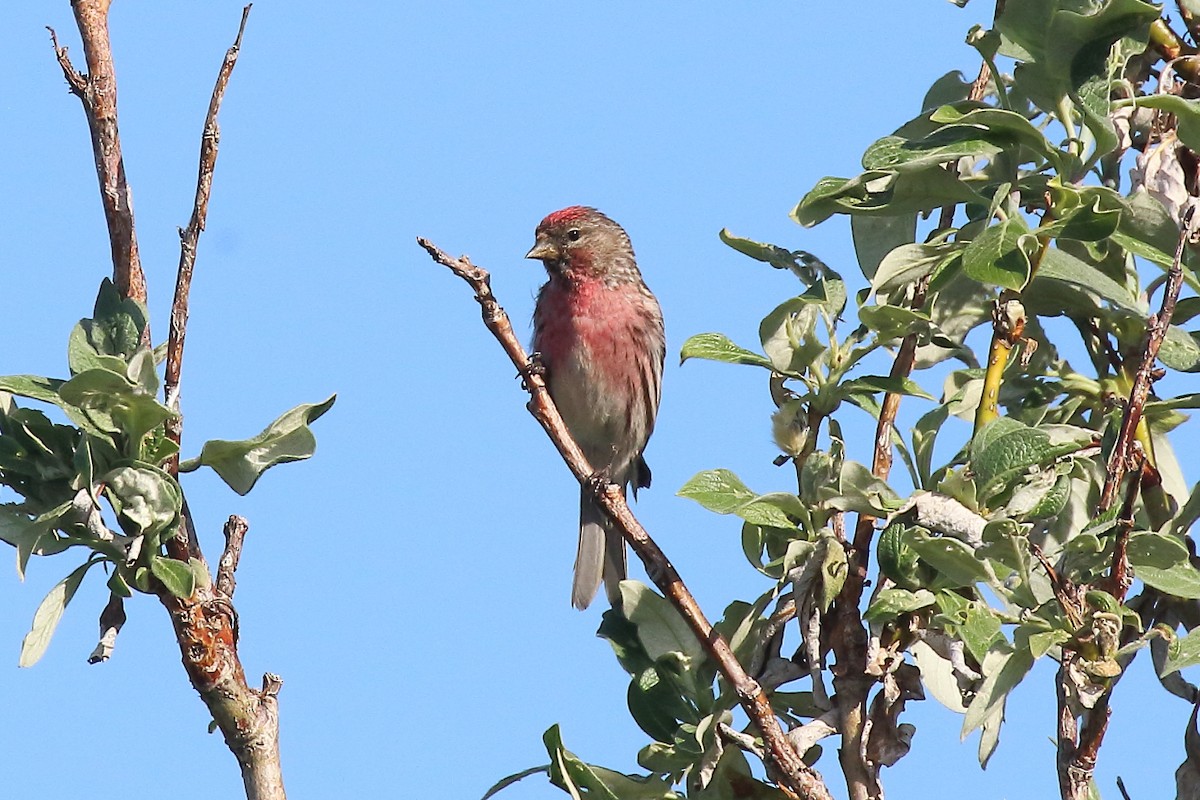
[82, 354]
[1086, 222]
[1061, 267]
[883, 192]
[34, 387]
[1182, 652]
[956, 560]
[797, 262]
[1064, 45]
[874, 384]
[901, 154]
[924, 436]
[48, 614]
[980, 631]
[114, 404]
[1000, 255]
[657, 706]
[1005, 448]
[718, 347]
[147, 500]
[240, 464]
[998, 126]
[891, 603]
[569, 773]
[833, 571]
[875, 237]
[1187, 112]
[722, 492]
[1146, 229]
[660, 627]
[950, 88]
[117, 322]
[1003, 669]
[909, 263]
[1162, 562]
[1180, 350]
[858, 490]
[505, 782]
[176, 576]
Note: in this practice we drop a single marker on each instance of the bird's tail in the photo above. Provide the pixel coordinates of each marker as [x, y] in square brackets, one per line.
[601, 555]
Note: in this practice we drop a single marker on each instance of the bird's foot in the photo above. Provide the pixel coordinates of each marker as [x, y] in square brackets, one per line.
[599, 481]
[534, 366]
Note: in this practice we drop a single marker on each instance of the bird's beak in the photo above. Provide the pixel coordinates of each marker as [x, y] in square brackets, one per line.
[543, 250]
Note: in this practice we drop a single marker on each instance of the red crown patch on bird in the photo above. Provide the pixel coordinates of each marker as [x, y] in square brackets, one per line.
[568, 214]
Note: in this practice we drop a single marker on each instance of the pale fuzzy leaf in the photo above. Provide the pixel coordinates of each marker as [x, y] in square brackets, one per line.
[661, 629]
[875, 237]
[718, 347]
[48, 614]
[938, 676]
[1003, 669]
[240, 464]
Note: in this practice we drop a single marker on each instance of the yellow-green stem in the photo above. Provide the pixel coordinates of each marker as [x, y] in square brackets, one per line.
[989, 403]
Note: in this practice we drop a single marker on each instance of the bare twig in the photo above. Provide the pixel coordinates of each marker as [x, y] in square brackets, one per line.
[785, 765]
[98, 92]
[112, 618]
[189, 237]
[235, 536]
[1119, 578]
[1067, 732]
[1156, 331]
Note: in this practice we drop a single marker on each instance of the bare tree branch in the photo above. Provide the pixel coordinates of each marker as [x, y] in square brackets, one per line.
[206, 627]
[784, 764]
[98, 92]
[205, 623]
[1156, 331]
[189, 238]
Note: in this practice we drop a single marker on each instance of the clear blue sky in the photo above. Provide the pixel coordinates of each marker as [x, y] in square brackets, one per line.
[410, 583]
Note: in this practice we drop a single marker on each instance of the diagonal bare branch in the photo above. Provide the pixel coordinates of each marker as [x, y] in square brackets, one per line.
[785, 765]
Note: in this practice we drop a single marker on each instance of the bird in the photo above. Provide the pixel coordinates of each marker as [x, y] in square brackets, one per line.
[598, 334]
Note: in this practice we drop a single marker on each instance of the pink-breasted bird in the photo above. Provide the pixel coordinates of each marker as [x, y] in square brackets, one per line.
[599, 333]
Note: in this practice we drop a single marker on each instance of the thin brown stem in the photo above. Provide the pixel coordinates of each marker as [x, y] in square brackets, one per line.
[235, 536]
[784, 764]
[1119, 579]
[97, 90]
[189, 238]
[1067, 731]
[1156, 331]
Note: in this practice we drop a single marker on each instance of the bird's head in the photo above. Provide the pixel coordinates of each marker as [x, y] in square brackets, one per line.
[579, 242]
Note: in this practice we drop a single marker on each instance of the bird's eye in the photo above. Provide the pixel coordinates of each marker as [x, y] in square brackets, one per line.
[573, 234]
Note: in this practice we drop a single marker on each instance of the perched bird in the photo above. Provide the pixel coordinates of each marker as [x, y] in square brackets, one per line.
[599, 333]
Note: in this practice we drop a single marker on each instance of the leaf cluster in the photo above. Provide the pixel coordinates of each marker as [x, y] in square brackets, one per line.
[99, 481]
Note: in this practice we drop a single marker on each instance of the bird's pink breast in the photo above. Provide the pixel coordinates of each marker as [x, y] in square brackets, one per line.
[602, 321]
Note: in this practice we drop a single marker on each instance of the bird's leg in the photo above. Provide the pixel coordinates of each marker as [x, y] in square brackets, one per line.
[600, 480]
[534, 366]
